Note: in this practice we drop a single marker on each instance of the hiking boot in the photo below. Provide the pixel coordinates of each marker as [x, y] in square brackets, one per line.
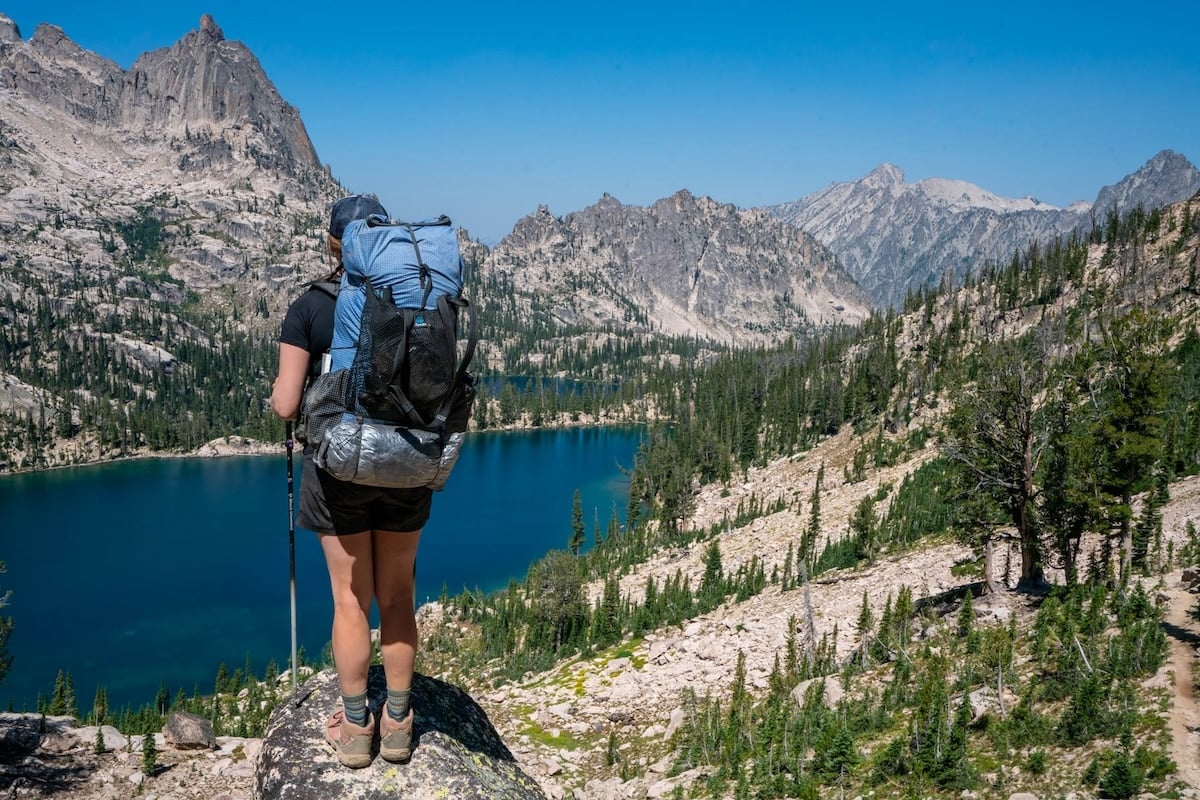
[395, 738]
[351, 743]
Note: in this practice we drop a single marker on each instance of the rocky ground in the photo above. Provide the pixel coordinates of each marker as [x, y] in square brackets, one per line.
[66, 764]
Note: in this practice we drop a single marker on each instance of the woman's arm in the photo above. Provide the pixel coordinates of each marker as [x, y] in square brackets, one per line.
[289, 385]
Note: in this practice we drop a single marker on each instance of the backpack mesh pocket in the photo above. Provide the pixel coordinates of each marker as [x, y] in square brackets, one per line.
[324, 406]
[412, 351]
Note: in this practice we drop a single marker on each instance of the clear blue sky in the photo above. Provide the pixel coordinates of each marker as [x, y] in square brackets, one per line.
[486, 110]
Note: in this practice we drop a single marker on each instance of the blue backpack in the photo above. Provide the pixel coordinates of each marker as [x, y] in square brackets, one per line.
[398, 396]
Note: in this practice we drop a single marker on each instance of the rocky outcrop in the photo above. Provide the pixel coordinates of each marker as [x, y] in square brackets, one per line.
[894, 237]
[456, 751]
[686, 265]
[9, 32]
[56, 72]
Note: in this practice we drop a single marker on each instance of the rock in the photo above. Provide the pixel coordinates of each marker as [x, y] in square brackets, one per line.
[186, 731]
[674, 723]
[833, 690]
[57, 743]
[663, 765]
[1190, 577]
[113, 740]
[1022, 796]
[456, 751]
[19, 735]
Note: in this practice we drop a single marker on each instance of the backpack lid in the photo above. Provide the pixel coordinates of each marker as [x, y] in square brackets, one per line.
[391, 256]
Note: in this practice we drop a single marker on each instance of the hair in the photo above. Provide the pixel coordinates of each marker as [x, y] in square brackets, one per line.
[334, 248]
[333, 251]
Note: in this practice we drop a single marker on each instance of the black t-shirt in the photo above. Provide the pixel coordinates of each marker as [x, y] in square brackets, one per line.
[309, 326]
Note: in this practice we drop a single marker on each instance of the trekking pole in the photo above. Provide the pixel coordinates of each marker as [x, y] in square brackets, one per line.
[291, 548]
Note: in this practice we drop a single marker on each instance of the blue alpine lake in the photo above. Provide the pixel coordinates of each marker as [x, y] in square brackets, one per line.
[142, 573]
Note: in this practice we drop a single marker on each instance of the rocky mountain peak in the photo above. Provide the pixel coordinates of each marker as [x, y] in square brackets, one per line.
[885, 175]
[203, 84]
[1164, 179]
[205, 80]
[209, 26]
[9, 32]
[608, 201]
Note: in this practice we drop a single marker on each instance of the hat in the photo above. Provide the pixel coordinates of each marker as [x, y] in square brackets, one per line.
[348, 209]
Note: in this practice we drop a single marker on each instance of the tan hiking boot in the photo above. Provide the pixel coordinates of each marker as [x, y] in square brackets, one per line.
[395, 738]
[351, 743]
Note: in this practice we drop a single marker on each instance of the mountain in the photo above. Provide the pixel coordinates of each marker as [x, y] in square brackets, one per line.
[893, 236]
[684, 266]
[155, 223]
[196, 134]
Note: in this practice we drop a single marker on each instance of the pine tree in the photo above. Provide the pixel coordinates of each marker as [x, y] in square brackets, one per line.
[100, 705]
[1129, 429]
[58, 701]
[712, 584]
[865, 621]
[577, 525]
[1122, 780]
[997, 433]
[149, 754]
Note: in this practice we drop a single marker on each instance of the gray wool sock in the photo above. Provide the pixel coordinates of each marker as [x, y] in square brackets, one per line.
[397, 703]
[356, 708]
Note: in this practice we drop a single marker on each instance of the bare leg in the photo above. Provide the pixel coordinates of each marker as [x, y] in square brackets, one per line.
[394, 556]
[352, 579]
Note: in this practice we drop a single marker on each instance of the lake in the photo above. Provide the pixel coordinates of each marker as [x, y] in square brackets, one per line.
[142, 572]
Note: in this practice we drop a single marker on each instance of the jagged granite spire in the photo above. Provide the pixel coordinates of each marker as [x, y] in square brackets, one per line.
[206, 80]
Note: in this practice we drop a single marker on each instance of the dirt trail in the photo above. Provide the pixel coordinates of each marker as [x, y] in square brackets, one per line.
[1183, 632]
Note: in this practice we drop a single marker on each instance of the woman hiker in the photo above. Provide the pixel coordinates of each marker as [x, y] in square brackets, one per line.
[369, 537]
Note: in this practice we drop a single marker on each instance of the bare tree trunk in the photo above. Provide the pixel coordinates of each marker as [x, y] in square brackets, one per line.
[989, 555]
[1000, 688]
[1126, 546]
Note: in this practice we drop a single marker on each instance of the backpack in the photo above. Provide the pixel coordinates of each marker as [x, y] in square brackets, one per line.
[394, 408]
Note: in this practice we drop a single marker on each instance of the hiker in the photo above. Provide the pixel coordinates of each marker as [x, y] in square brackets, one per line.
[369, 536]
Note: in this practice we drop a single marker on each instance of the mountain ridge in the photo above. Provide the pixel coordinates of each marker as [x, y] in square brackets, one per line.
[894, 237]
[700, 268]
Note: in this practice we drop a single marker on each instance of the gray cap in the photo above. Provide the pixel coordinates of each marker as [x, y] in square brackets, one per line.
[348, 209]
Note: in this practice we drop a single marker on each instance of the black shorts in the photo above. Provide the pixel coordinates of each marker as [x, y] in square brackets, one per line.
[328, 505]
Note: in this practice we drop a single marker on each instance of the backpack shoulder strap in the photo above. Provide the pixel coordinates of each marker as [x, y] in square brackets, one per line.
[328, 287]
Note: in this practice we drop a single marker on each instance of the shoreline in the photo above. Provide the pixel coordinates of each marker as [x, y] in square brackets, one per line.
[233, 446]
